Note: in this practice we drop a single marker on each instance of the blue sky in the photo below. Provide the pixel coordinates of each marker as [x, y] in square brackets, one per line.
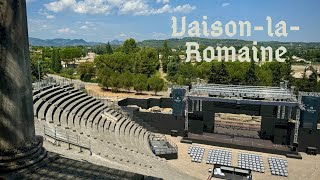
[107, 20]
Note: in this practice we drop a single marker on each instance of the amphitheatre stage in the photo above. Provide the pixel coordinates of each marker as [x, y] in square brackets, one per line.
[276, 116]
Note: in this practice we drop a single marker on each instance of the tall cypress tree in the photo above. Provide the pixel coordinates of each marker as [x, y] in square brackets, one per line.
[213, 74]
[312, 82]
[223, 74]
[55, 61]
[165, 56]
[109, 49]
[251, 77]
[288, 72]
[276, 75]
[58, 62]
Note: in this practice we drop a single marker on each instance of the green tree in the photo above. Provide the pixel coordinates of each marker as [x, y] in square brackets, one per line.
[302, 84]
[117, 62]
[129, 46]
[35, 60]
[156, 84]
[238, 71]
[203, 70]
[55, 61]
[70, 54]
[103, 49]
[86, 71]
[140, 83]
[127, 80]
[68, 72]
[115, 81]
[276, 75]
[222, 74]
[173, 67]
[46, 52]
[146, 62]
[251, 77]
[188, 72]
[288, 70]
[312, 82]
[166, 52]
[104, 77]
[213, 73]
[264, 76]
[180, 80]
[109, 49]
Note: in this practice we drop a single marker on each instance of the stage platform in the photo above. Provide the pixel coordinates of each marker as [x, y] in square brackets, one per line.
[164, 149]
[250, 144]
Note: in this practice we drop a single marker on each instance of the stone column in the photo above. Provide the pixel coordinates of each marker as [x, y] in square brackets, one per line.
[19, 147]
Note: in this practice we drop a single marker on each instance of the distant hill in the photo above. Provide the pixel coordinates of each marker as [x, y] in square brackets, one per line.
[66, 42]
[173, 43]
[116, 42]
[180, 43]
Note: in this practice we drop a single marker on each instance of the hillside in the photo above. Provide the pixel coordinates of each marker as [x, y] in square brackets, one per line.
[180, 43]
[174, 43]
[66, 42]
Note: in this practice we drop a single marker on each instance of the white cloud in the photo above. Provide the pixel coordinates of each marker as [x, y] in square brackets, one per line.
[164, 9]
[122, 35]
[184, 8]
[83, 6]
[60, 5]
[92, 7]
[163, 1]
[225, 4]
[45, 13]
[65, 31]
[89, 23]
[135, 7]
[84, 27]
[50, 17]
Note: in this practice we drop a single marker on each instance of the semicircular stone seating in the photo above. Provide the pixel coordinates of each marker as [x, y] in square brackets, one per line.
[113, 136]
[51, 98]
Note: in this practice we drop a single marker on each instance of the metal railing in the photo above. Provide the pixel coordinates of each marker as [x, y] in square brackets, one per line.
[43, 83]
[61, 81]
[67, 137]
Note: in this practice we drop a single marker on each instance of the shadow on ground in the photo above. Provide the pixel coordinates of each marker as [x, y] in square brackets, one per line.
[58, 167]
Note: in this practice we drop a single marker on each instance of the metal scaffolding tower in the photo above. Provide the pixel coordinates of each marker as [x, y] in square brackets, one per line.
[281, 96]
[258, 92]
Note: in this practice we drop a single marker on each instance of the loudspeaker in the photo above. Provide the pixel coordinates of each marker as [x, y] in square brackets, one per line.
[174, 133]
[312, 151]
[295, 147]
[185, 134]
[178, 105]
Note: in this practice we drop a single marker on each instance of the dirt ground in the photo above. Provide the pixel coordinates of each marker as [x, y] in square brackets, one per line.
[298, 70]
[306, 169]
[122, 94]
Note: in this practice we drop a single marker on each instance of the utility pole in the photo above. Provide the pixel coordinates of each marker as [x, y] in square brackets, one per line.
[39, 75]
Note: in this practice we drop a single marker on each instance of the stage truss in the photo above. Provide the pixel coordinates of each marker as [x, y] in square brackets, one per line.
[282, 97]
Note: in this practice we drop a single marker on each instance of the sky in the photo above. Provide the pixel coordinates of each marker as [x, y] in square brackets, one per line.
[107, 20]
